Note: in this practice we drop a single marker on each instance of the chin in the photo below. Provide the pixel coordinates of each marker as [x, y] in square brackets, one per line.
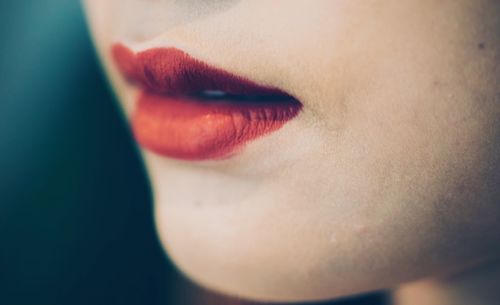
[262, 240]
[233, 258]
[261, 250]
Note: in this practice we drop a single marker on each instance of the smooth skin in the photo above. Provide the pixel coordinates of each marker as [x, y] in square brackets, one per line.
[389, 175]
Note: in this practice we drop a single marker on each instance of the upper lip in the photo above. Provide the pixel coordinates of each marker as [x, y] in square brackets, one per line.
[173, 72]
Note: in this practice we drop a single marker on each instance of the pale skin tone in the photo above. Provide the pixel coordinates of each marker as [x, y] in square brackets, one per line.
[389, 177]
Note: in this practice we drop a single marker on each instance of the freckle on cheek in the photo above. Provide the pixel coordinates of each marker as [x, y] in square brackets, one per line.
[361, 229]
[333, 238]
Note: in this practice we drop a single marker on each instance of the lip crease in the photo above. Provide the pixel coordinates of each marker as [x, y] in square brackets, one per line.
[176, 118]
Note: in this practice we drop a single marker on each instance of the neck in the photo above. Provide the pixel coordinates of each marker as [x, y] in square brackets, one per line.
[479, 286]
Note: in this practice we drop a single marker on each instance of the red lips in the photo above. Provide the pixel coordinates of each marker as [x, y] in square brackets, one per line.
[189, 110]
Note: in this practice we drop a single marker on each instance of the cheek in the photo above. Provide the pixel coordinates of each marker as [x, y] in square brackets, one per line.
[403, 173]
[427, 135]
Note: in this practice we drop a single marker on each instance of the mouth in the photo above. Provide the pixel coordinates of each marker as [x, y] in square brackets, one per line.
[191, 111]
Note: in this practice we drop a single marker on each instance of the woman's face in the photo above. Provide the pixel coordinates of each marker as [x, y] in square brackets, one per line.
[388, 171]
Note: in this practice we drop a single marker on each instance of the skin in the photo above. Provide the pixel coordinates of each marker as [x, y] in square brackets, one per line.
[390, 173]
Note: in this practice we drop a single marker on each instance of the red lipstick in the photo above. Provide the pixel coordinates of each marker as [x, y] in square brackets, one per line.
[189, 110]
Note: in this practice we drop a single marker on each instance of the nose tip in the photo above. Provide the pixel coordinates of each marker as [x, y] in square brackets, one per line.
[141, 21]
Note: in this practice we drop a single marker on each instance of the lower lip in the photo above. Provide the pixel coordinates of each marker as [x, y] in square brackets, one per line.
[191, 128]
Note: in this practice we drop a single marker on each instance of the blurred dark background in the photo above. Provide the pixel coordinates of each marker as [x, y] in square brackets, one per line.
[75, 209]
